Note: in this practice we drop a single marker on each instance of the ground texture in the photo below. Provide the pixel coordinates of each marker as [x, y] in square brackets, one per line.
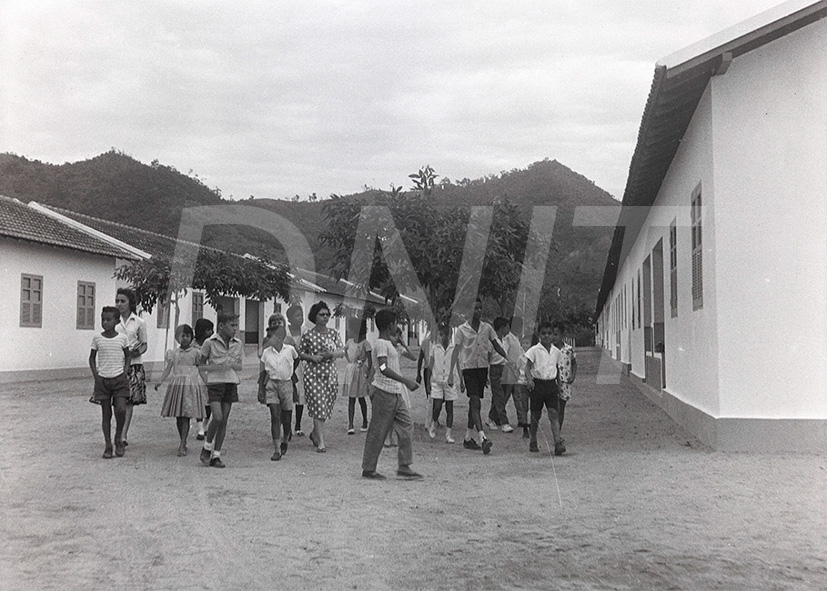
[635, 504]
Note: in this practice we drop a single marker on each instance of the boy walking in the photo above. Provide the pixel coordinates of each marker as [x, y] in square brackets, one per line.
[109, 362]
[497, 375]
[389, 409]
[279, 359]
[541, 375]
[442, 382]
[221, 357]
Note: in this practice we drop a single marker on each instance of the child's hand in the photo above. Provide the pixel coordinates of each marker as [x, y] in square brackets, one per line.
[530, 383]
[412, 385]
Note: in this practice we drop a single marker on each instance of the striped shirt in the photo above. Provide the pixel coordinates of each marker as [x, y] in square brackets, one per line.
[110, 357]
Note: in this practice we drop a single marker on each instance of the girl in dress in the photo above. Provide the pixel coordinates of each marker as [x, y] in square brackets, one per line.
[186, 394]
[355, 380]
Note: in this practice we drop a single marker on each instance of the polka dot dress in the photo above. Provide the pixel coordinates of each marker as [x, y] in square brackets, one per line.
[321, 383]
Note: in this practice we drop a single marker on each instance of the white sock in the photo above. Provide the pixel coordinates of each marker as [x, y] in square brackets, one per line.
[216, 454]
[208, 445]
[200, 425]
[481, 436]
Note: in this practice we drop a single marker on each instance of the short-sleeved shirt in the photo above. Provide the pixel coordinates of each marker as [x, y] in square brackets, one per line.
[279, 364]
[384, 348]
[110, 356]
[135, 330]
[544, 363]
[495, 358]
[215, 351]
[440, 362]
[475, 345]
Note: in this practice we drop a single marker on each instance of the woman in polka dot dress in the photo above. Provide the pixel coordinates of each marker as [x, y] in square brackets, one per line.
[321, 383]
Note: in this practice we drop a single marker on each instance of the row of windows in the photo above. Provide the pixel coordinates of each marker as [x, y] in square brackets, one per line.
[619, 309]
[31, 304]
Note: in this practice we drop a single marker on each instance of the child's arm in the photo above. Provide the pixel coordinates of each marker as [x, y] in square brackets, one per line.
[389, 373]
[126, 360]
[529, 379]
[419, 366]
[93, 365]
[167, 369]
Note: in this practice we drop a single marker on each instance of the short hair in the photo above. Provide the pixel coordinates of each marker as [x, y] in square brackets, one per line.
[384, 318]
[545, 325]
[202, 326]
[130, 295]
[225, 317]
[182, 330]
[315, 309]
[499, 322]
[111, 310]
[276, 316]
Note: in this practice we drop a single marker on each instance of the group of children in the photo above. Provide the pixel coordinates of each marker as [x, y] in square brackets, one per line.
[205, 377]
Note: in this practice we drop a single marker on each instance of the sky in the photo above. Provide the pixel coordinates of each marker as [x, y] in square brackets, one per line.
[276, 99]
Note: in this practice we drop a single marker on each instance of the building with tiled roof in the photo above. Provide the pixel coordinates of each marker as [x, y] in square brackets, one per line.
[714, 296]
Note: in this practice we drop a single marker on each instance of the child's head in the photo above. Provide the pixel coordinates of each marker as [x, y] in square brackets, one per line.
[227, 325]
[184, 335]
[203, 329]
[295, 315]
[501, 326]
[546, 333]
[558, 331]
[386, 321]
[444, 331]
[110, 316]
[275, 321]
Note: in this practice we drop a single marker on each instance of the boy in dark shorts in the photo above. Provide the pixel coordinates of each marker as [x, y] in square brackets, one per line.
[221, 357]
[541, 378]
[109, 362]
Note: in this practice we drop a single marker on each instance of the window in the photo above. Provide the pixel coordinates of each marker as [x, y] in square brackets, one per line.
[31, 300]
[163, 313]
[673, 268]
[697, 252]
[86, 305]
[197, 306]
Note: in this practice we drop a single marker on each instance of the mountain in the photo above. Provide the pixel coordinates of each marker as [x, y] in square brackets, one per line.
[116, 187]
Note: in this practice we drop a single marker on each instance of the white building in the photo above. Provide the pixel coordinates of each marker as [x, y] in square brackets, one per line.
[55, 279]
[716, 296]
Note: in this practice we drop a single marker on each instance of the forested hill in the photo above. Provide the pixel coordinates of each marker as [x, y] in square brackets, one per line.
[117, 187]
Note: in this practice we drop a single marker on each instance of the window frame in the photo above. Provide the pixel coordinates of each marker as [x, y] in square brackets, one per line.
[85, 313]
[697, 250]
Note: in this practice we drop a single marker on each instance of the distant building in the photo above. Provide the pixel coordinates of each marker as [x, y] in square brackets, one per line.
[716, 298]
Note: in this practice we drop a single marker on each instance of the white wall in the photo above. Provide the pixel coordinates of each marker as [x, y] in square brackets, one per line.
[58, 344]
[770, 158]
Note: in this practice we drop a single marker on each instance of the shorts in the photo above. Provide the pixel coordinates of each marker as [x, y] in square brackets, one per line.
[222, 392]
[442, 391]
[109, 388]
[545, 393]
[279, 392]
[475, 380]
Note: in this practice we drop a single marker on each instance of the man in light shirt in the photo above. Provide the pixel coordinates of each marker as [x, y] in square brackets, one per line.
[541, 377]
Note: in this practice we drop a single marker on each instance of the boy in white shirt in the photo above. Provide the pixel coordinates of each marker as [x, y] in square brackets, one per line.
[279, 360]
[541, 378]
[442, 382]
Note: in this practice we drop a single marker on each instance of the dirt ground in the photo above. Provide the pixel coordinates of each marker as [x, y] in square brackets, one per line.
[635, 504]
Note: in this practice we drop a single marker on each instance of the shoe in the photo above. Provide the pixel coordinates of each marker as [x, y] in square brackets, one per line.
[283, 447]
[119, 448]
[559, 448]
[486, 446]
[372, 475]
[470, 444]
[408, 475]
[107, 452]
[449, 440]
[351, 431]
[432, 432]
[363, 428]
[125, 443]
[507, 428]
[182, 451]
[525, 433]
[299, 433]
[200, 437]
[533, 447]
[205, 456]
[276, 456]
[217, 463]
[321, 450]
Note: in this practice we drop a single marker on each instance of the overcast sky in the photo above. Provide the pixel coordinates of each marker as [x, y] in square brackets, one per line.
[274, 99]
